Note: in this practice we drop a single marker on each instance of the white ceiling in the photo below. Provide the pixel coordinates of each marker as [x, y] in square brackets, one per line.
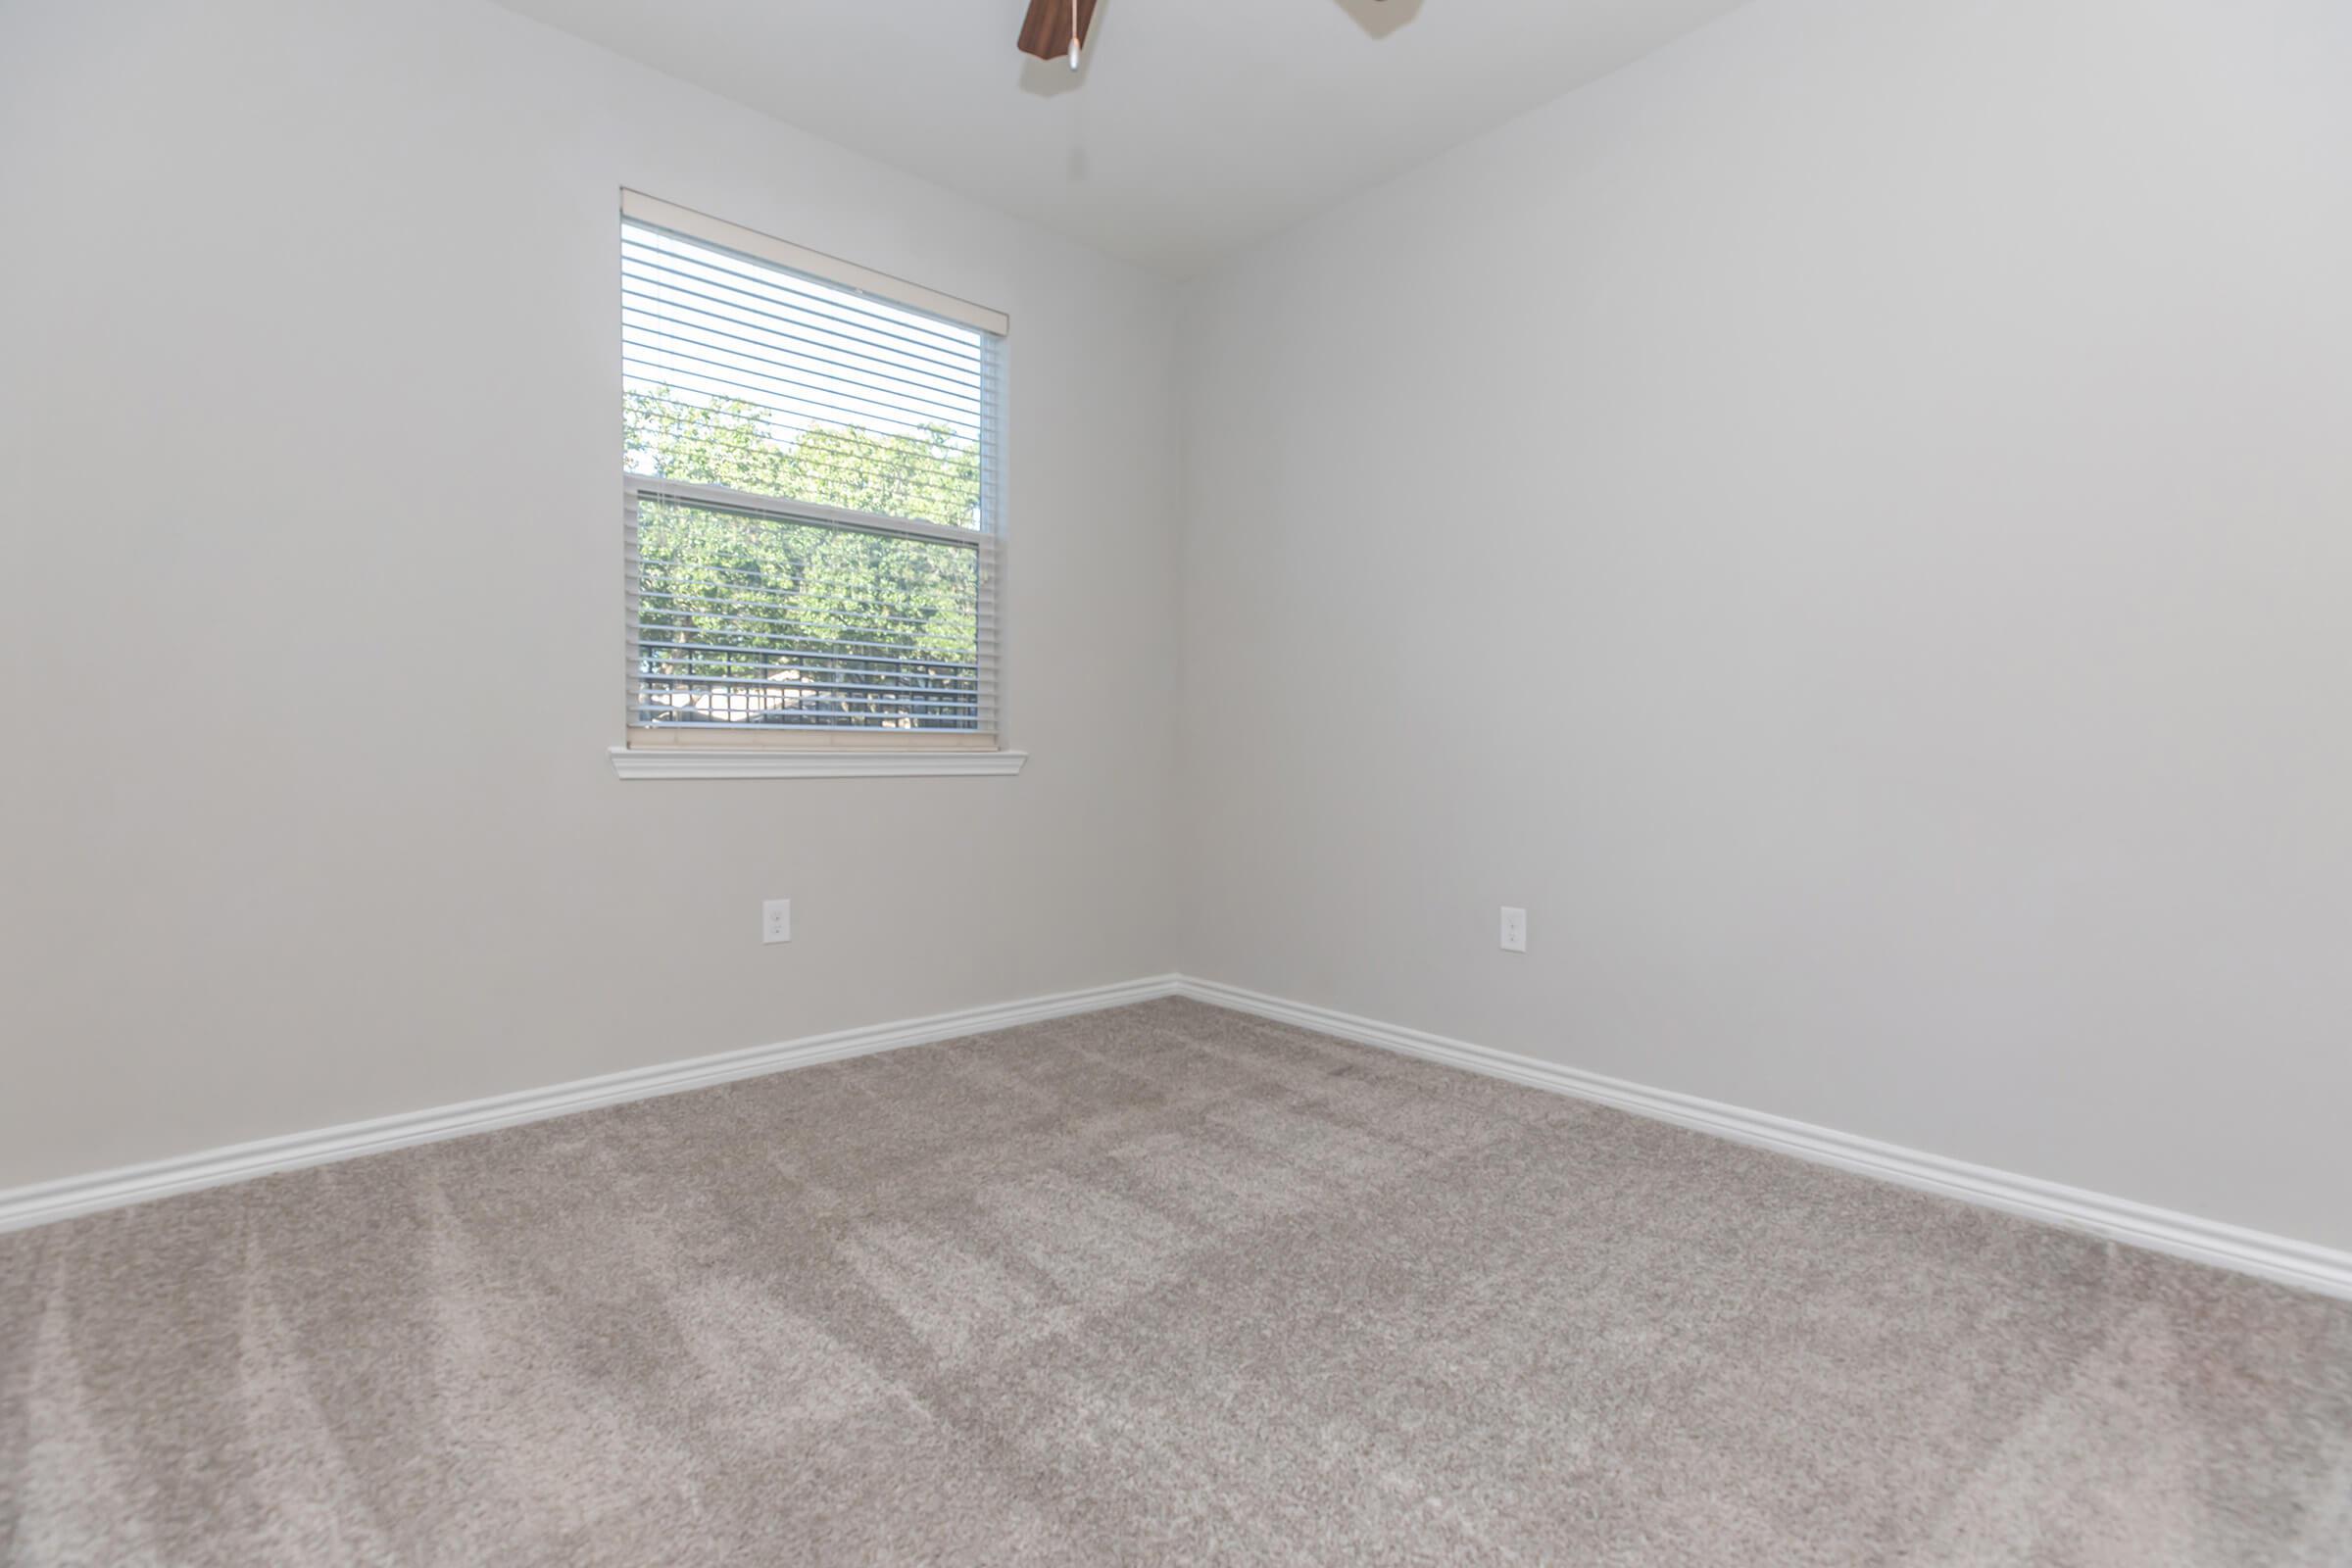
[1195, 126]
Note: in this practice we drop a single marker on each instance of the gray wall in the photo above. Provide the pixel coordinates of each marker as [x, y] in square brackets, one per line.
[309, 398]
[1849, 521]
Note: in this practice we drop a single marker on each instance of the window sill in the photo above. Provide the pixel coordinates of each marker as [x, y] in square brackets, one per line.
[668, 762]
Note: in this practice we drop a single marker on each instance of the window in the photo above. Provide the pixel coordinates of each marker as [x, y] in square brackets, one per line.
[809, 479]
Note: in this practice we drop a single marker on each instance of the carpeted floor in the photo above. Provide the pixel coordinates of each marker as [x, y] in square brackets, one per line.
[1162, 1285]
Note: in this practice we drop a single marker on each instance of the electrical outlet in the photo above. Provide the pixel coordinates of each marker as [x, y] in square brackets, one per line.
[775, 921]
[1514, 930]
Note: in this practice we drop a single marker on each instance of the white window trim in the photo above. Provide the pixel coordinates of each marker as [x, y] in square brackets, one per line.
[757, 762]
[659, 754]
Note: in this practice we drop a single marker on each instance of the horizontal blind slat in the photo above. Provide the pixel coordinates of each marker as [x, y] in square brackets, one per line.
[771, 342]
[656, 349]
[773, 335]
[960, 695]
[688, 266]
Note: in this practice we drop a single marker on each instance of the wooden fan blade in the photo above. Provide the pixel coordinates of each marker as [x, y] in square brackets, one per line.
[1046, 30]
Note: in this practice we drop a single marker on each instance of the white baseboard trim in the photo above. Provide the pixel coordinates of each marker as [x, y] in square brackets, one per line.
[2232, 1247]
[2204, 1241]
[70, 1196]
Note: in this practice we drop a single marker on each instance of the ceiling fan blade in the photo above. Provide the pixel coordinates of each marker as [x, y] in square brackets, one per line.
[1046, 30]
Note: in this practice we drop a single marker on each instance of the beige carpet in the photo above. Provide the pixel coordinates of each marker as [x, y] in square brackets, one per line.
[1162, 1285]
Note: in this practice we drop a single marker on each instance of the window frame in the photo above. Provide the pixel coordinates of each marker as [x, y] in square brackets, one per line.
[696, 751]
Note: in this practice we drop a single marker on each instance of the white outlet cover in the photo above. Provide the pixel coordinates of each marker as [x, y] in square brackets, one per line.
[775, 921]
[1514, 929]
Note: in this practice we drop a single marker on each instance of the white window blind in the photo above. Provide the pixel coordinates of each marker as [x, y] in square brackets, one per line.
[808, 489]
